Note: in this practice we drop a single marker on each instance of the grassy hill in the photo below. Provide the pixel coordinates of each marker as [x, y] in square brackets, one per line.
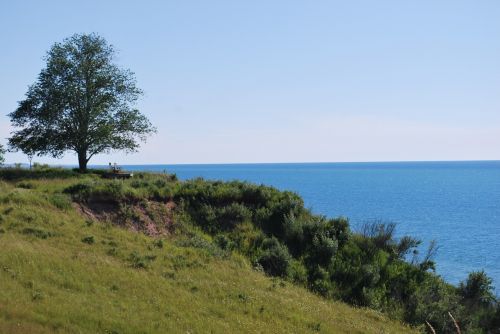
[65, 270]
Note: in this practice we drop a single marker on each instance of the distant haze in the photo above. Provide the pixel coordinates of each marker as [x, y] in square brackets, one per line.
[283, 81]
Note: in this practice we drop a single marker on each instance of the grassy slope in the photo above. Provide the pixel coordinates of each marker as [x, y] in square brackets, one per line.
[51, 281]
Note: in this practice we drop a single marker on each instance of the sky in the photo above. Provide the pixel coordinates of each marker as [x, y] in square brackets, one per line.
[282, 81]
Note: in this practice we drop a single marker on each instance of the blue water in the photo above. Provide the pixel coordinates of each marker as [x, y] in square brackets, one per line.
[455, 203]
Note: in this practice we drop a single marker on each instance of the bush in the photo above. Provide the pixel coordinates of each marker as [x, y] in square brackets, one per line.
[229, 216]
[322, 250]
[144, 186]
[112, 191]
[199, 241]
[431, 302]
[140, 262]
[12, 174]
[60, 201]
[38, 233]
[25, 185]
[39, 166]
[297, 272]
[223, 242]
[477, 290]
[158, 243]
[89, 239]
[320, 281]
[275, 259]
[108, 191]
[79, 191]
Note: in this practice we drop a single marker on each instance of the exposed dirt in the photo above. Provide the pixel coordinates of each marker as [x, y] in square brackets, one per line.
[149, 217]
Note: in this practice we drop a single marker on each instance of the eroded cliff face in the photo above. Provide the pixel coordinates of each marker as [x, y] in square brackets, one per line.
[152, 218]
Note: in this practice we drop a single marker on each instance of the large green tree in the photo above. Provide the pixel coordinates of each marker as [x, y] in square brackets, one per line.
[82, 102]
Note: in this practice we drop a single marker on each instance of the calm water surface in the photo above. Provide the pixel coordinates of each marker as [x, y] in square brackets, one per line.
[455, 203]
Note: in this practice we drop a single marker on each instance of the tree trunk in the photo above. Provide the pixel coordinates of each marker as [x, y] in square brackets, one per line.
[82, 161]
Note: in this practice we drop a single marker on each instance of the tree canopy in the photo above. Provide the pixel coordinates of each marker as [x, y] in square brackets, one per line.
[81, 102]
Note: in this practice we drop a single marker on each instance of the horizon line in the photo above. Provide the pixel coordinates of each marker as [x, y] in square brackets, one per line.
[280, 163]
[302, 162]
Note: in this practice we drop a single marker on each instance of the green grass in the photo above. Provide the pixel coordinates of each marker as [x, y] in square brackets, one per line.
[61, 273]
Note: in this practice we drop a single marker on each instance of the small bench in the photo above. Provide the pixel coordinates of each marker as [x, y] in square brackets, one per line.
[118, 175]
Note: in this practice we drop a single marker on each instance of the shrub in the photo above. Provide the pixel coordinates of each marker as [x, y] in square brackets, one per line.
[339, 227]
[223, 242]
[139, 261]
[322, 249]
[39, 166]
[158, 243]
[112, 251]
[431, 302]
[316, 326]
[320, 281]
[246, 238]
[89, 239]
[197, 240]
[79, 190]
[12, 174]
[38, 233]
[25, 185]
[160, 183]
[112, 191]
[477, 290]
[275, 259]
[60, 201]
[297, 272]
[229, 216]
[107, 191]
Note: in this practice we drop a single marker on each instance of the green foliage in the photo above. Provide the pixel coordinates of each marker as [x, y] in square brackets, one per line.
[224, 242]
[158, 243]
[319, 281]
[316, 327]
[60, 201]
[323, 248]
[477, 290]
[38, 233]
[139, 261]
[88, 239]
[80, 191]
[218, 205]
[25, 185]
[200, 241]
[41, 167]
[81, 102]
[106, 191]
[141, 187]
[12, 174]
[275, 259]
[431, 302]
[297, 272]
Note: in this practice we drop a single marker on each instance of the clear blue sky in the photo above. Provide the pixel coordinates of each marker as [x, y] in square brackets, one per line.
[284, 81]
